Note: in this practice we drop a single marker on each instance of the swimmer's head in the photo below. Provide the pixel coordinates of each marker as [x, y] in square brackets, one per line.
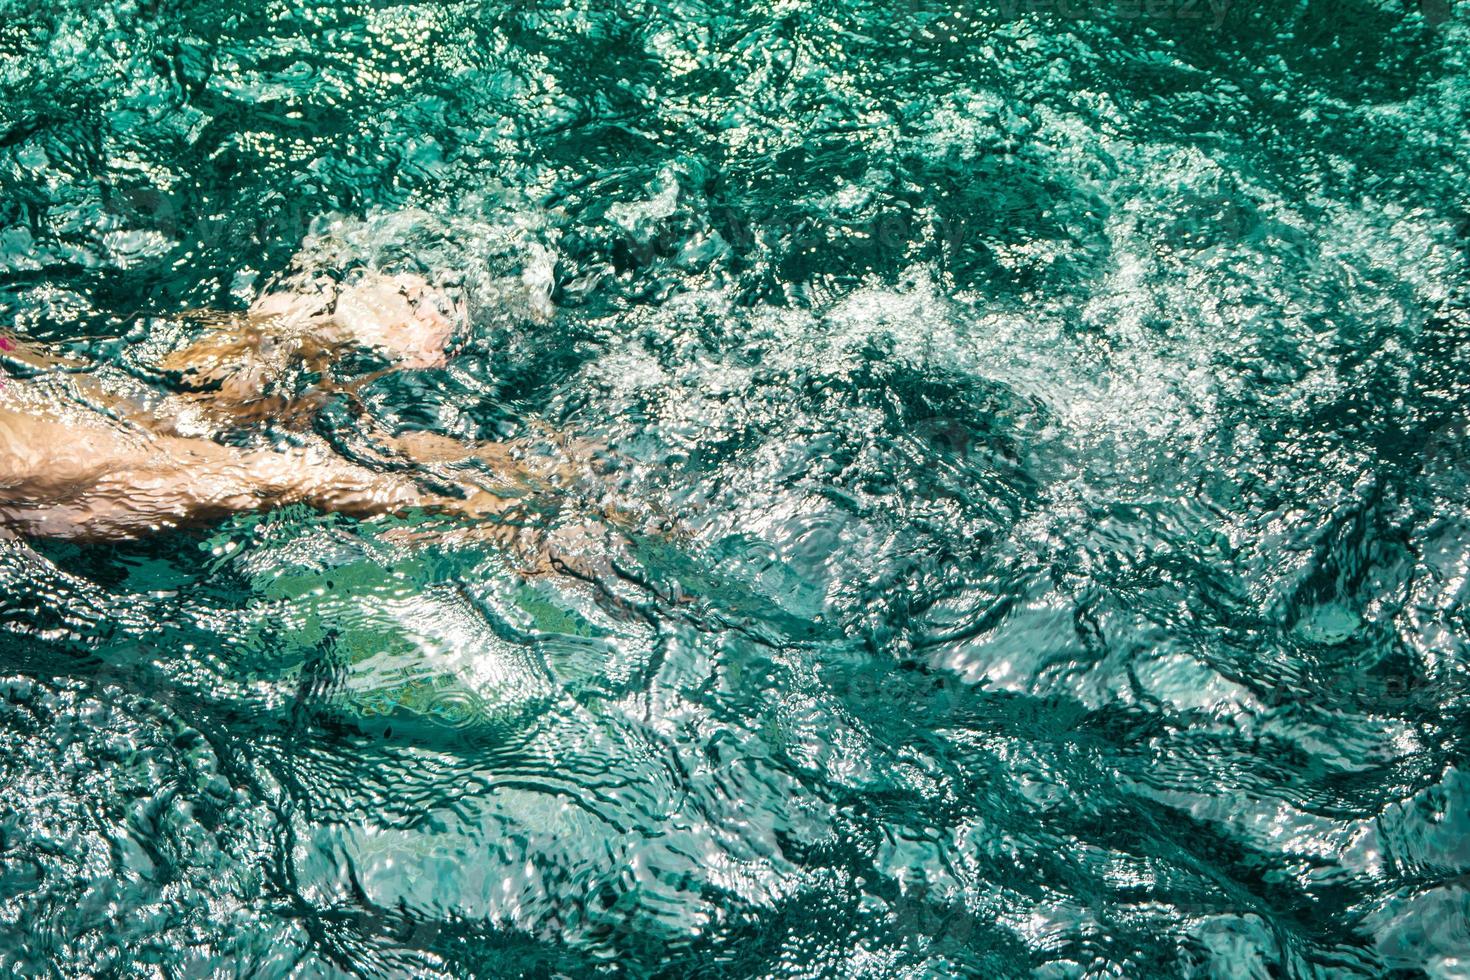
[401, 316]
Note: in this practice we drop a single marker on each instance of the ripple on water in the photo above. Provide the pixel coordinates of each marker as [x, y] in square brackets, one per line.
[1059, 422]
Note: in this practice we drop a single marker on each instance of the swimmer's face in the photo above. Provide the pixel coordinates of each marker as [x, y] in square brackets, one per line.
[401, 316]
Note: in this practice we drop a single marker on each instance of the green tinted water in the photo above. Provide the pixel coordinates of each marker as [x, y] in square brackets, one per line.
[1063, 405]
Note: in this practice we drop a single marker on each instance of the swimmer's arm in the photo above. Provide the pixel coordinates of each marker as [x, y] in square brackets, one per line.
[91, 481]
[548, 495]
[545, 462]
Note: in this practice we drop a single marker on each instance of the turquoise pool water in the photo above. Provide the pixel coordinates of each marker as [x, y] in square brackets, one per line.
[1061, 408]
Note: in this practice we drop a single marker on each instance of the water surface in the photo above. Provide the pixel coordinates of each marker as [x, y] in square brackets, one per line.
[1061, 408]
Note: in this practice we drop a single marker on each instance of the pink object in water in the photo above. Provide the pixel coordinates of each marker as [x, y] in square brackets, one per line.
[6, 343]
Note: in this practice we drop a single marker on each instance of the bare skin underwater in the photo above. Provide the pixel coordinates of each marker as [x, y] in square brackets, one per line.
[88, 465]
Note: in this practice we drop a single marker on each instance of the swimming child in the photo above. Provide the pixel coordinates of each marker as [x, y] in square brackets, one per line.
[79, 462]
